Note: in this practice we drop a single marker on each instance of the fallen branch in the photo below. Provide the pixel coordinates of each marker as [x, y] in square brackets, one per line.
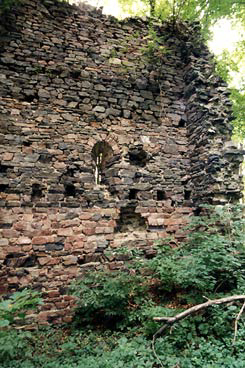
[171, 320]
[236, 321]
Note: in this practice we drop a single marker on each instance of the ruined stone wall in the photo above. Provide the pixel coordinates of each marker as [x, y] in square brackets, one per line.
[102, 145]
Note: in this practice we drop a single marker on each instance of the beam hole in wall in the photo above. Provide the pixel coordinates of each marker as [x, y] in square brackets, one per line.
[30, 97]
[4, 187]
[70, 171]
[137, 156]
[45, 158]
[36, 191]
[75, 73]
[187, 194]
[133, 194]
[173, 203]
[26, 143]
[161, 195]
[129, 220]
[4, 168]
[101, 155]
[70, 190]
[197, 211]
[182, 123]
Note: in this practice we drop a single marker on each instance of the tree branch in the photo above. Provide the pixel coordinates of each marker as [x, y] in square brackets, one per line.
[236, 322]
[171, 320]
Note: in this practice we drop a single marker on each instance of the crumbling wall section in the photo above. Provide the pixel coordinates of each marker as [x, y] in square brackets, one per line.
[102, 144]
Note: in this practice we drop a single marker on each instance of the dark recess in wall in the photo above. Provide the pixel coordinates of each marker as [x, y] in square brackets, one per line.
[70, 190]
[130, 220]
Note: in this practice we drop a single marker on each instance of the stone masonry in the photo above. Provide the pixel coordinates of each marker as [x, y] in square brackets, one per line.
[106, 141]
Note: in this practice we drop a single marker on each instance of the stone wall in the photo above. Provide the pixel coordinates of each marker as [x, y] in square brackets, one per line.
[102, 145]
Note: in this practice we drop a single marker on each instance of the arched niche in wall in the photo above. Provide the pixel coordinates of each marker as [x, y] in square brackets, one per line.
[102, 154]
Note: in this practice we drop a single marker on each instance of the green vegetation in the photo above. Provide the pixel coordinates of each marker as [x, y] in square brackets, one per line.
[114, 325]
[16, 306]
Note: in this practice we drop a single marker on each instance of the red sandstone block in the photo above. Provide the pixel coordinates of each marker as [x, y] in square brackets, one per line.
[174, 221]
[152, 221]
[69, 260]
[10, 233]
[13, 249]
[52, 294]
[74, 238]
[85, 216]
[26, 280]
[20, 226]
[8, 156]
[42, 316]
[59, 165]
[68, 246]
[89, 231]
[77, 229]
[72, 271]
[54, 261]
[23, 241]
[44, 260]
[173, 229]
[61, 305]
[46, 306]
[43, 239]
[70, 223]
[67, 319]
[65, 232]
[13, 280]
[4, 242]
[89, 223]
[184, 210]
[78, 245]
[12, 197]
[108, 230]
[111, 223]
[26, 248]
[69, 298]
[160, 221]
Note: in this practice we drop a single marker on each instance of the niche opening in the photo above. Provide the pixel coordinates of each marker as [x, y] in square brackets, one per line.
[187, 194]
[130, 220]
[182, 123]
[27, 143]
[161, 195]
[4, 187]
[133, 194]
[101, 155]
[4, 168]
[30, 97]
[36, 191]
[197, 211]
[70, 190]
[137, 156]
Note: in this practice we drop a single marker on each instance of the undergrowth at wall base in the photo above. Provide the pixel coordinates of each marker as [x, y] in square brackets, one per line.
[114, 322]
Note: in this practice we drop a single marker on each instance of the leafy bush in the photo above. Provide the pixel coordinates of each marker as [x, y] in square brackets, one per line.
[16, 306]
[210, 262]
[111, 297]
[106, 350]
[13, 342]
